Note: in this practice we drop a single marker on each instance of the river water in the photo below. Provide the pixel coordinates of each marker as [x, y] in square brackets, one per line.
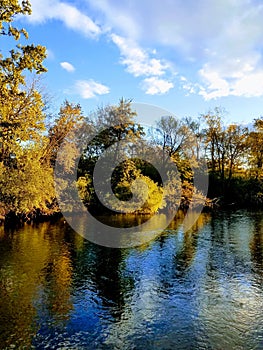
[197, 290]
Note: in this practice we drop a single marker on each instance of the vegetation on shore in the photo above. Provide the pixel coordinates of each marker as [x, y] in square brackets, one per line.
[29, 143]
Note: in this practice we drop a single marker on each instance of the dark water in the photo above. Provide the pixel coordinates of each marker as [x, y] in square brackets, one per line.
[198, 290]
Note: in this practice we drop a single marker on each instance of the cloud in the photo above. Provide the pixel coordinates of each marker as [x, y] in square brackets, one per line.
[190, 26]
[139, 63]
[137, 60]
[184, 24]
[90, 88]
[234, 78]
[217, 45]
[67, 66]
[156, 86]
[249, 85]
[68, 14]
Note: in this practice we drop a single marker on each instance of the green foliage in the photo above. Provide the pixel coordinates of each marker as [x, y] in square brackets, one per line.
[85, 190]
[245, 192]
[112, 125]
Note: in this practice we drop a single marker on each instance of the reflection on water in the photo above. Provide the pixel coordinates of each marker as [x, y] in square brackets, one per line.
[201, 289]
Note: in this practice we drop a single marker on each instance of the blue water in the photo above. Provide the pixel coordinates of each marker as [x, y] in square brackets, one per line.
[197, 290]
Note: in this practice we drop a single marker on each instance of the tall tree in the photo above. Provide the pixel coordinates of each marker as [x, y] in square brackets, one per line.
[115, 124]
[255, 144]
[213, 137]
[25, 185]
[236, 145]
[21, 105]
[68, 119]
[114, 127]
[23, 57]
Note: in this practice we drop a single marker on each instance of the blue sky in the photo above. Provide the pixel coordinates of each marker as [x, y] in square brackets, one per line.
[184, 56]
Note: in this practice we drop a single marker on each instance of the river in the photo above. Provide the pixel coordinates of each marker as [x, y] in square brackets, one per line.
[197, 290]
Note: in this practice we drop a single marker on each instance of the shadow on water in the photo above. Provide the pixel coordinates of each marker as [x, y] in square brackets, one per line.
[102, 267]
[256, 245]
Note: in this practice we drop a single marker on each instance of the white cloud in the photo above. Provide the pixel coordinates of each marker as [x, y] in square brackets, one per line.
[67, 66]
[137, 60]
[43, 10]
[156, 86]
[236, 77]
[139, 63]
[249, 85]
[188, 25]
[217, 44]
[90, 88]
[115, 18]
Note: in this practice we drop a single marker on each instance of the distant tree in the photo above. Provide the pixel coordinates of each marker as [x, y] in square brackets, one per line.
[225, 144]
[110, 125]
[255, 144]
[213, 140]
[198, 133]
[235, 144]
[69, 116]
[114, 124]
[174, 137]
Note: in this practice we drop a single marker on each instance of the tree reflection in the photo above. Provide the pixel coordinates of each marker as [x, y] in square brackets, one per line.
[59, 286]
[23, 256]
[184, 258]
[33, 264]
[182, 247]
[256, 244]
[103, 269]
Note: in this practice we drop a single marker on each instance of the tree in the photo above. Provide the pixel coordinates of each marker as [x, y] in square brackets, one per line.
[21, 121]
[23, 57]
[21, 105]
[146, 195]
[70, 115]
[226, 145]
[174, 137]
[27, 189]
[236, 145]
[255, 144]
[114, 124]
[194, 126]
[115, 134]
[176, 142]
[25, 185]
[213, 139]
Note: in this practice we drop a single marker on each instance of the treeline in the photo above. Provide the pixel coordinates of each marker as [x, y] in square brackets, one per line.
[165, 159]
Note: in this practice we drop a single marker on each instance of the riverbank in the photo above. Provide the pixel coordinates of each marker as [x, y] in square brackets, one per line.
[12, 219]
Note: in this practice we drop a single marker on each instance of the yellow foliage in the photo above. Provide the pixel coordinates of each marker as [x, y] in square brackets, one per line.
[28, 185]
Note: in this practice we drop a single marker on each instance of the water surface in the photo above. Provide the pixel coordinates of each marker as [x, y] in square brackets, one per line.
[197, 290]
